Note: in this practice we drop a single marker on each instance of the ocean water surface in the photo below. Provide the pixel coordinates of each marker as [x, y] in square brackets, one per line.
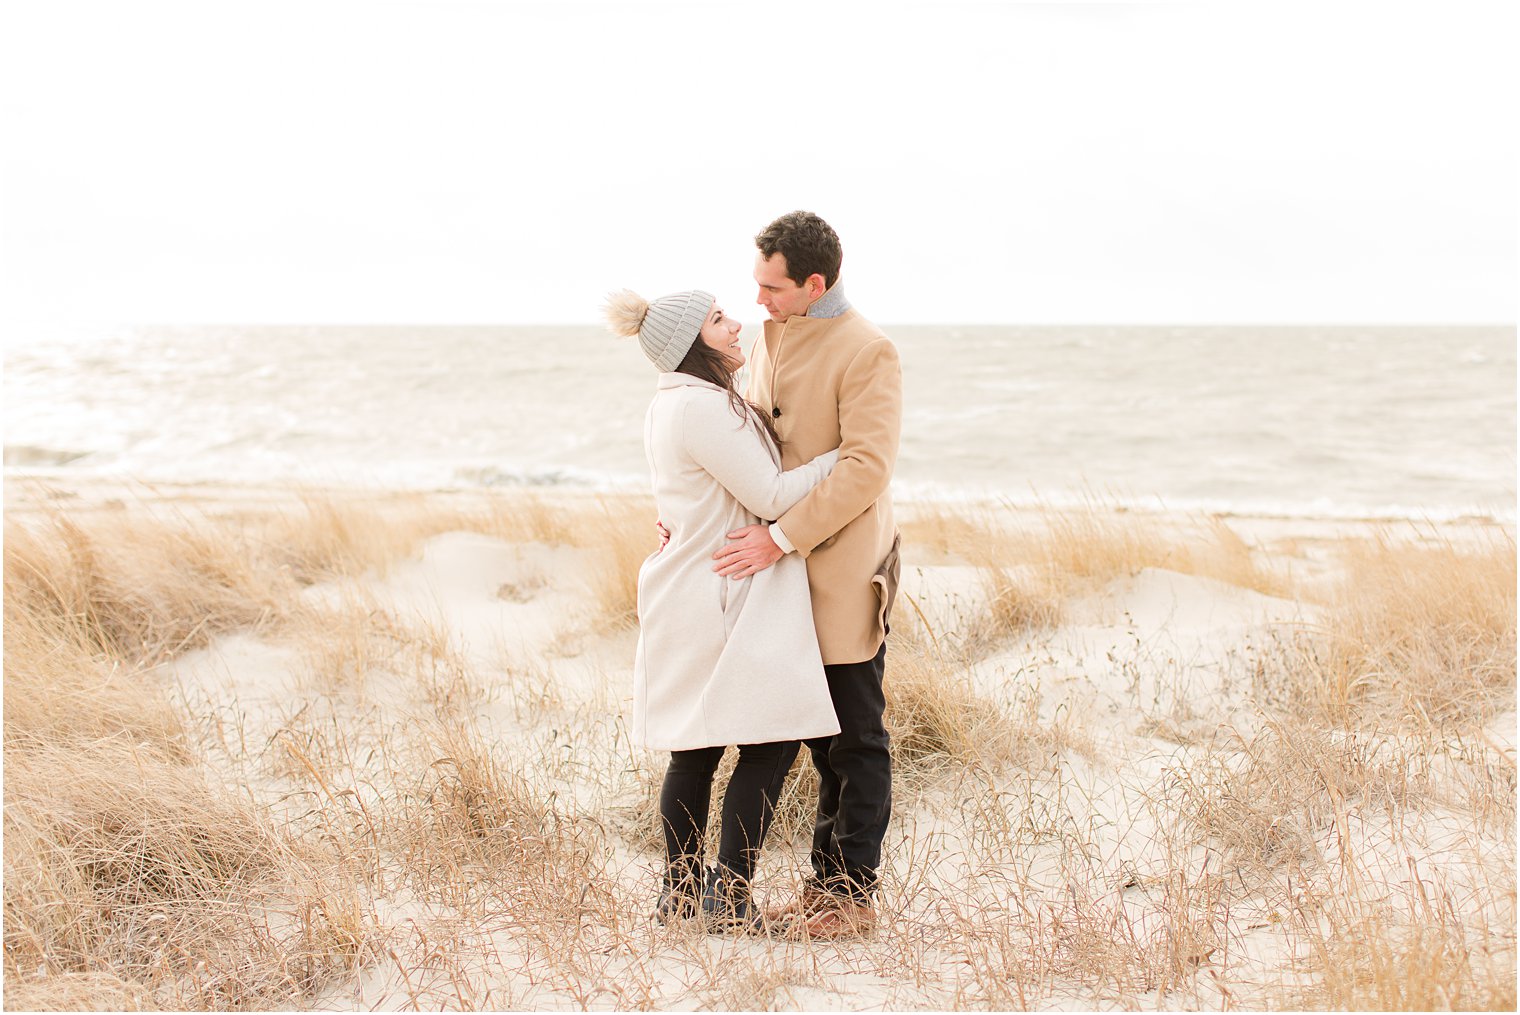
[1322, 421]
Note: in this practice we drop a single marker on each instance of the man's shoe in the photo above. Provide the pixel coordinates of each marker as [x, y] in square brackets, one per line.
[846, 918]
[727, 905]
[805, 903]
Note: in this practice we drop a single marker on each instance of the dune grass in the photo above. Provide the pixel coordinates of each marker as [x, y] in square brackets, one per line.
[466, 834]
[1414, 633]
[1030, 563]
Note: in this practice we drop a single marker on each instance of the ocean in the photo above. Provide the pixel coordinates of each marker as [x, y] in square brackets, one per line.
[1372, 422]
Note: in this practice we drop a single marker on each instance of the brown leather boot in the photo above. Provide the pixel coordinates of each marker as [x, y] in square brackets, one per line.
[804, 904]
[844, 918]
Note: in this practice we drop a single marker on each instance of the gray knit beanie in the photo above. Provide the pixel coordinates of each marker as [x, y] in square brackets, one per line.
[666, 328]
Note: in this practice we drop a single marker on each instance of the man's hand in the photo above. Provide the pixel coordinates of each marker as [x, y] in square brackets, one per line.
[752, 549]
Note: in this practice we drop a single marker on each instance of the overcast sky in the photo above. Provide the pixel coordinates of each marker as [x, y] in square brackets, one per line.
[491, 162]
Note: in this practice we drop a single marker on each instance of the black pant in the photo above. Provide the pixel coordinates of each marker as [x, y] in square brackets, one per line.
[748, 806]
[854, 781]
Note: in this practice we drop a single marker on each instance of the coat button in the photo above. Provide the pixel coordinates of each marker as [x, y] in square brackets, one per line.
[775, 412]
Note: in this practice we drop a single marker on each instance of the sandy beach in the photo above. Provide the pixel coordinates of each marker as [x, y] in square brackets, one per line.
[336, 749]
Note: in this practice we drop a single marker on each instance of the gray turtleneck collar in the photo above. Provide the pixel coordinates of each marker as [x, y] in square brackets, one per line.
[831, 303]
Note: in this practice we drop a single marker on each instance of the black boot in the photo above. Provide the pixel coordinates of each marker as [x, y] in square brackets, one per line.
[680, 894]
[727, 905]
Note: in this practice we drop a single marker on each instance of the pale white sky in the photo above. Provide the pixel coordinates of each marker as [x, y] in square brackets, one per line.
[489, 162]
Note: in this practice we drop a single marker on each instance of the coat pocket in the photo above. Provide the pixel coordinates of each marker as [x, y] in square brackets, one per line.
[731, 597]
[885, 583]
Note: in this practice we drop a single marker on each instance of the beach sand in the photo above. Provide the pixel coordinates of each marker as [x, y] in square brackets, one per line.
[338, 749]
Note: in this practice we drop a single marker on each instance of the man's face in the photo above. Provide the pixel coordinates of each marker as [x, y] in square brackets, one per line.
[779, 295]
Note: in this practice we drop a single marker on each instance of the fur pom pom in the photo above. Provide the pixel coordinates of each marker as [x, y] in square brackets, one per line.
[624, 311]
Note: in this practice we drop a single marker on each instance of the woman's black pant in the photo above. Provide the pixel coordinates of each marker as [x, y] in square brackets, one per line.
[749, 804]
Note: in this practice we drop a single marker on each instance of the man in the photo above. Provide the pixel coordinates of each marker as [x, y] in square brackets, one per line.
[830, 378]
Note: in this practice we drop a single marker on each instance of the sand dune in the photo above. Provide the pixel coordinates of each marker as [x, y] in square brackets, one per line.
[1188, 786]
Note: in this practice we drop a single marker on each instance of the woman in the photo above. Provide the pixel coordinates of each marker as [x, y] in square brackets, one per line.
[719, 661]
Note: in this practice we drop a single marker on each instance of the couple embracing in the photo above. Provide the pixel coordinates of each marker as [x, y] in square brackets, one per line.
[763, 618]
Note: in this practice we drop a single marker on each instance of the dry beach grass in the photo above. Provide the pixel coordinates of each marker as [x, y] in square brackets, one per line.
[353, 751]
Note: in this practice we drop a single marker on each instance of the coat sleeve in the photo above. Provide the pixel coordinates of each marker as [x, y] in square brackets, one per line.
[735, 455]
[870, 425]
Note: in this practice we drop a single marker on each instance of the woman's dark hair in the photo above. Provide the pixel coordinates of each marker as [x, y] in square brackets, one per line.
[706, 363]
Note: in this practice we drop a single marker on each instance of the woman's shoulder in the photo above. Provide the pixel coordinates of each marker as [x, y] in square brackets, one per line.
[707, 417]
[693, 411]
[698, 401]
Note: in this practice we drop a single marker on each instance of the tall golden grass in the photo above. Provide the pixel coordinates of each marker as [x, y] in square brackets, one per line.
[132, 876]
[1414, 633]
[402, 825]
[1031, 562]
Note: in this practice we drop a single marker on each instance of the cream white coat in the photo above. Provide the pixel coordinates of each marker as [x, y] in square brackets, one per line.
[719, 661]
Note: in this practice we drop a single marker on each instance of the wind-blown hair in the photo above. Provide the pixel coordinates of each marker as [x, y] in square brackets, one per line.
[706, 363]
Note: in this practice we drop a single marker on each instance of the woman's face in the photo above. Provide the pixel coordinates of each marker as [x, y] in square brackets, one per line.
[721, 333]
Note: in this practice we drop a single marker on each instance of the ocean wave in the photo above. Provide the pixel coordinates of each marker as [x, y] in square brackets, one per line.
[1313, 508]
[30, 456]
[585, 479]
[42, 462]
[1229, 421]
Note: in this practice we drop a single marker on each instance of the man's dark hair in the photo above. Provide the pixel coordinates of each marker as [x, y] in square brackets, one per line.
[809, 244]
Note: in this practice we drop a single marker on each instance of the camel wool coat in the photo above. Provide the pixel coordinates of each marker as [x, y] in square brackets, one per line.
[833, 380]
[719, 661]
